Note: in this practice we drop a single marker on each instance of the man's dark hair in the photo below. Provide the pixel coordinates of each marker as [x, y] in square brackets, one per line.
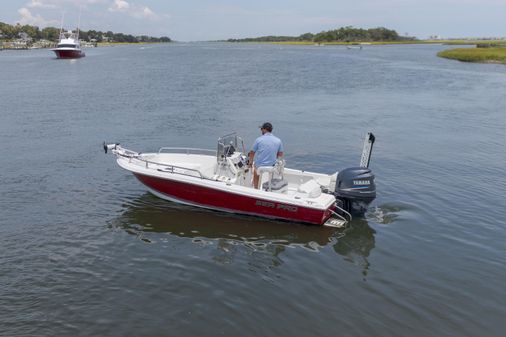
[267, 126]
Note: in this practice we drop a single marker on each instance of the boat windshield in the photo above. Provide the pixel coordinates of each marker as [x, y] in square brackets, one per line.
[228, 144]
[66, 46]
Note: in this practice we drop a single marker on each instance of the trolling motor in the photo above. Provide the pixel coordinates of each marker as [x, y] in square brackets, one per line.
[109, 147]
[355, 188]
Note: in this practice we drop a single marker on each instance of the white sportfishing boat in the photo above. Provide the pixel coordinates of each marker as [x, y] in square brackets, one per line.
[69, 46]
[221, 180]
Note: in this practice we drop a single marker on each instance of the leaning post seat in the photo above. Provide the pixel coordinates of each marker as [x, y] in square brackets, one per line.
[272, 184]
[277, 185]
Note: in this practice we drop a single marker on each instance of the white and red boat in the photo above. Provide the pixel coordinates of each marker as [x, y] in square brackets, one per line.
[220, 180]
[69, 46]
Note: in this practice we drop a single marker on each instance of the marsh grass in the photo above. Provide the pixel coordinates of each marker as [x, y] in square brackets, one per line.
[340, 43]
[482, 55]
[468, 42]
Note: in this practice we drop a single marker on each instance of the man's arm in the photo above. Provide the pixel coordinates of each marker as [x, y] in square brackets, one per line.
[280, 150]
[251, 154]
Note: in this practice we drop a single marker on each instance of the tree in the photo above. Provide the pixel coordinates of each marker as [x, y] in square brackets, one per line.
[50, 33]
[306, 37]
[10, 32]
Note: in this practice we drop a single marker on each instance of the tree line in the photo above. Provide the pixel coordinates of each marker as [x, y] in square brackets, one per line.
[10, 32]
[343, 34]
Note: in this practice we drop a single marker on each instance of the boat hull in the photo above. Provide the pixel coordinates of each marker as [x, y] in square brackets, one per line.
[68, 54]
[206, 197]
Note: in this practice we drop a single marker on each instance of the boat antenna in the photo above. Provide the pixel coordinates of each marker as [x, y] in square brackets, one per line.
[79, 21]
[61, 25]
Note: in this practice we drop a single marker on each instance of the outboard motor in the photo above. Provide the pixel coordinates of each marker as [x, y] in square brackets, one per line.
[355, 187]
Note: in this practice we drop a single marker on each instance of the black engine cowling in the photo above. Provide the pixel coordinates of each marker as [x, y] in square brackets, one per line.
[356, 189]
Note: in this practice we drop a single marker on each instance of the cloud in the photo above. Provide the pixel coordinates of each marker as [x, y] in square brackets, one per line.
[40, 4]
[145, 13]
[30, 13]
[27, 18]
[119, 6]
[134, 10]
[61, 3]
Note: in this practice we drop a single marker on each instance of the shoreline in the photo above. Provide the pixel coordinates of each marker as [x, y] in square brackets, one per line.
[365, 43]
[99, 44]
[112, 44]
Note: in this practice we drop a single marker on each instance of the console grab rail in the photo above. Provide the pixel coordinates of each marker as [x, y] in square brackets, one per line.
[168, 168]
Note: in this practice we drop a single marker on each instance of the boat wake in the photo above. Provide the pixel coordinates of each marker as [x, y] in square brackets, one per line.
[389, 213]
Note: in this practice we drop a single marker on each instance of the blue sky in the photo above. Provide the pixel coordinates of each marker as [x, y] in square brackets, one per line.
[194, 20]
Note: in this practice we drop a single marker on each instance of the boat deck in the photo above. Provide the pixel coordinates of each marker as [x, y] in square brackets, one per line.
[298, 184]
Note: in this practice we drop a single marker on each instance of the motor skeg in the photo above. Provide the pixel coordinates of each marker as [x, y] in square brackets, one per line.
[356, 189]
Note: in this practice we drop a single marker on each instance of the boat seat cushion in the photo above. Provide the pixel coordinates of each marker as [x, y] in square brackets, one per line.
[311, 188]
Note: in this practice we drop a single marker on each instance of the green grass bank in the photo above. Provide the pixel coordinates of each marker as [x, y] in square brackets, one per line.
[480, 55]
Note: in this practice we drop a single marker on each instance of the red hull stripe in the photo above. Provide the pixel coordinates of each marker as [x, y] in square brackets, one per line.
[235, 203]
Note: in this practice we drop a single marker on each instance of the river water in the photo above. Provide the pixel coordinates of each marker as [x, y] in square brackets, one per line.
[86, 251]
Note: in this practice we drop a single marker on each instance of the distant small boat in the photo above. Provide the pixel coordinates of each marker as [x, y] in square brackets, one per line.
[354, 47]
[69, 46]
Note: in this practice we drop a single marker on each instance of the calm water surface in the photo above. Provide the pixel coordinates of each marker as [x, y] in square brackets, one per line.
[86, 251]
